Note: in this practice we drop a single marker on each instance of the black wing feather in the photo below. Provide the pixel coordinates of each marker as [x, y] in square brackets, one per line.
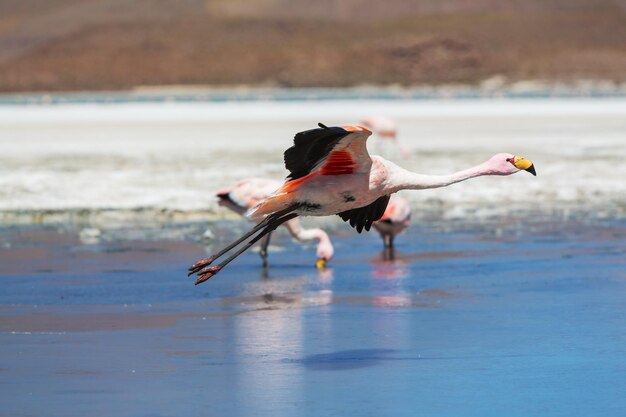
[363, 217]
[309, 148]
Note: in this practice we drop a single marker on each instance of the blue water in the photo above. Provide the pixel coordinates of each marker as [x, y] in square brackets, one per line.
[480, 320]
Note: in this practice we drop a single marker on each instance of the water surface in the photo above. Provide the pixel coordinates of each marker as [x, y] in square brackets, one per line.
[486, 319]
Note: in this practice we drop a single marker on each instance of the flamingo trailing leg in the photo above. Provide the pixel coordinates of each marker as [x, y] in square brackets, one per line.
[248, 192]
[331, 172]
[267, 225]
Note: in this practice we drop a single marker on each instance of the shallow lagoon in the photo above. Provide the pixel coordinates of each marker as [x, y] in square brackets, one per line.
[487, 319]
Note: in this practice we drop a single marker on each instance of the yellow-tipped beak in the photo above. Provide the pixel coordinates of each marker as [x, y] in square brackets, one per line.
[525, 164]
[320, 264]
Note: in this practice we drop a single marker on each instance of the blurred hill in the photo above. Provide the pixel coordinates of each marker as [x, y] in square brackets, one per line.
[57, 45]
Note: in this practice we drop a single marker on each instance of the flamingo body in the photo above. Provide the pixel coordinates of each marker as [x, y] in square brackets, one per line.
[343, 178]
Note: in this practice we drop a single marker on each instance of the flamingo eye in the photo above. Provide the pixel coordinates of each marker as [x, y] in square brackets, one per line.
[509, 160]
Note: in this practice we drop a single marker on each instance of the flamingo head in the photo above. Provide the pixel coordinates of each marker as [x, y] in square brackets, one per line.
[325, 252]
[507, 164]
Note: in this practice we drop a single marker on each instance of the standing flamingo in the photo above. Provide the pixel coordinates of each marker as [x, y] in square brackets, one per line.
[395, 219]
[331, 172]
[386, 128]
[249, 192]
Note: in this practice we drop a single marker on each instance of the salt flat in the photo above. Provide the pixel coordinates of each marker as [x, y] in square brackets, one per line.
[171, 156]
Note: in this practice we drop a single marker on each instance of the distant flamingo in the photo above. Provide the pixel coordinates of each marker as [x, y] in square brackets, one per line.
[395, 219]
[331, 172]
[249, 192]
[386, 128]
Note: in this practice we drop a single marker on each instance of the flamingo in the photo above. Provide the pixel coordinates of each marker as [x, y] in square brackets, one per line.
[331, 172]
[248, 192]
[386, 128]
[395, 219]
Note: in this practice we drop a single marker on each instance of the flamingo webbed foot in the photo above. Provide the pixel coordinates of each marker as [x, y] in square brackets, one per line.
[200, 265]
[207, 273]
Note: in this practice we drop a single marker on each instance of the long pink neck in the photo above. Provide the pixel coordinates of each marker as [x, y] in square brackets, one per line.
[412, 181]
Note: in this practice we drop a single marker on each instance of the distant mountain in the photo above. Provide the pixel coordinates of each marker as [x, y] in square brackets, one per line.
[58, 45]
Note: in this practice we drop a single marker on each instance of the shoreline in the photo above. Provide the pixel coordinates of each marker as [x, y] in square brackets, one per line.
[488, 89]
[94, 224]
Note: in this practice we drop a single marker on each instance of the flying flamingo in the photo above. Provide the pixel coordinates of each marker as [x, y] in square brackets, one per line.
[386, 128]
[249, 192]
[331, 172]
[395, 219]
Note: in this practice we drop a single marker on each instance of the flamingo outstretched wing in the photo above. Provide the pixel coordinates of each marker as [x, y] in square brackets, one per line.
[328, 151]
